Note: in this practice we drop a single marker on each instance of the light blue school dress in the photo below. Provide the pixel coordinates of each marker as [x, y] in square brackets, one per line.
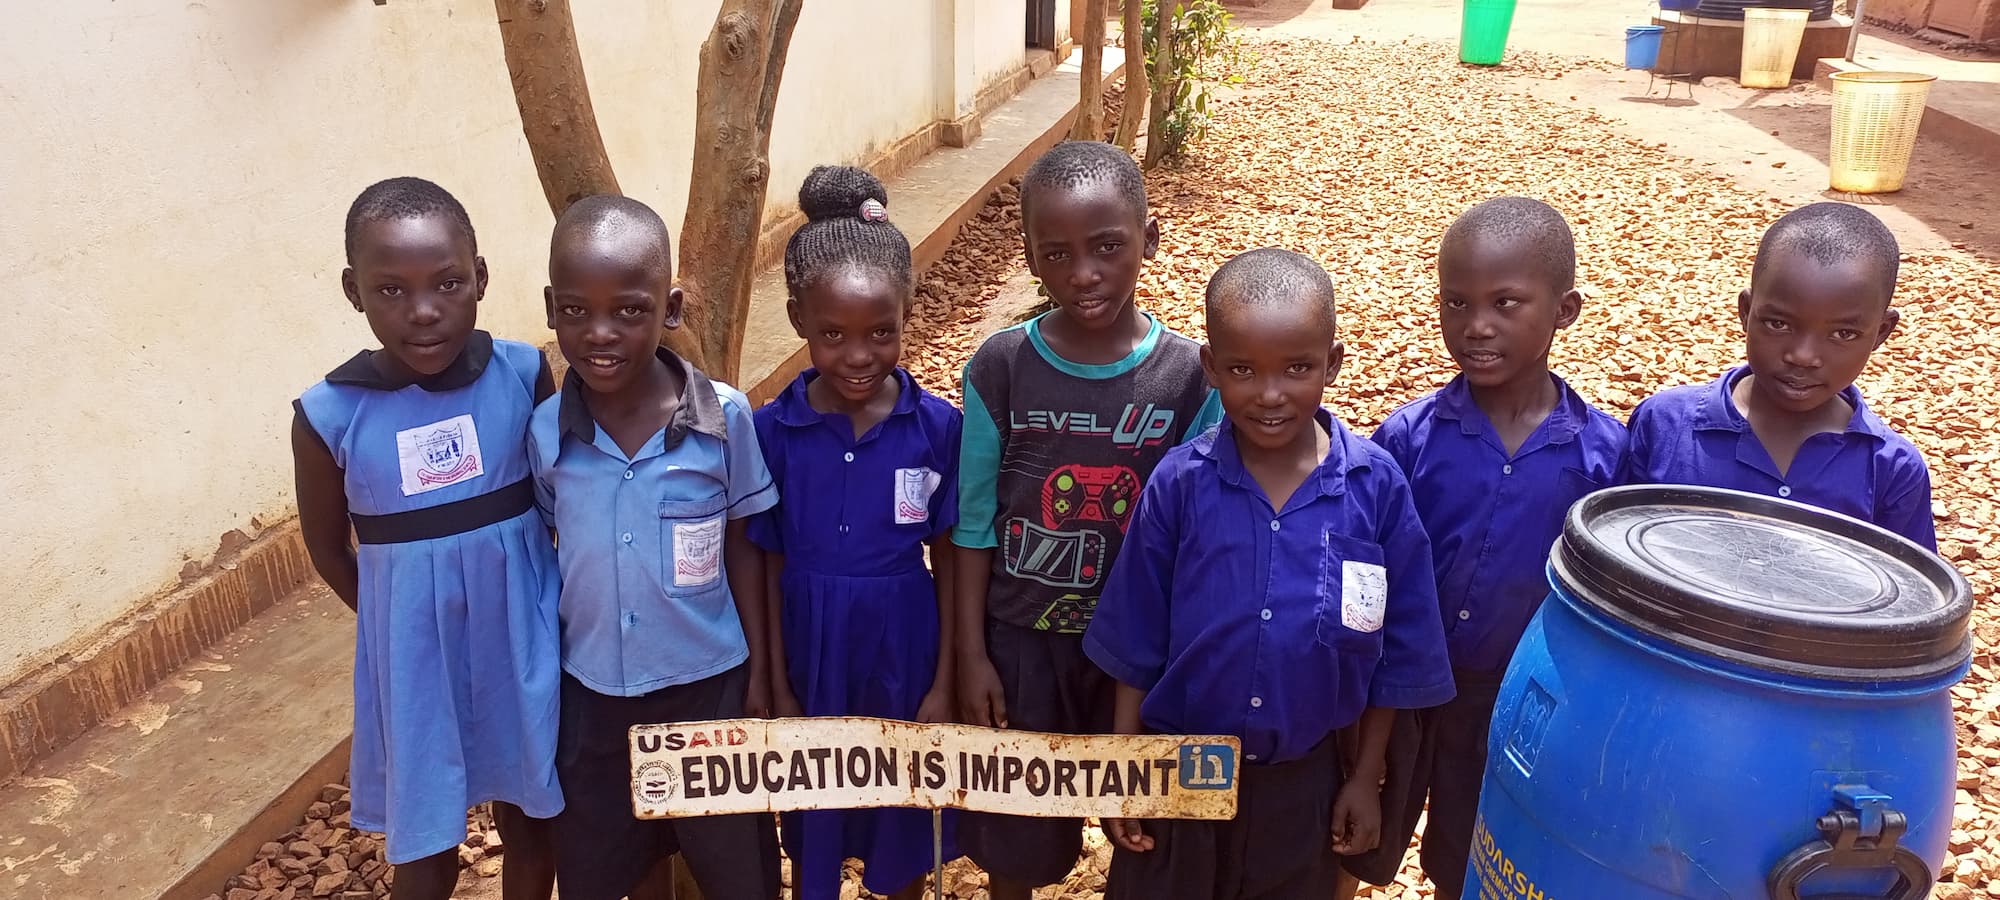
[456, 653]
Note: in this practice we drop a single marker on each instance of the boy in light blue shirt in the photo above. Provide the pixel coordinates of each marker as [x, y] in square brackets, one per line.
[649, 473]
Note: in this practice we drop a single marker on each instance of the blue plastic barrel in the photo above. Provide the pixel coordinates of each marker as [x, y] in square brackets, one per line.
[1642, 46]
[1725, 696]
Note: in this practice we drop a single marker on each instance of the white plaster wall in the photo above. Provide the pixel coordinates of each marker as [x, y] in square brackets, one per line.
[1000, 37]
[176, 174]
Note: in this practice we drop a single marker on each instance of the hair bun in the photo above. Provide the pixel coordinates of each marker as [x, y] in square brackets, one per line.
[843, 192]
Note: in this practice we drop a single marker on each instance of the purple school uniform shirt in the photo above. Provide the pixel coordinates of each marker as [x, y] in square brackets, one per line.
[1278, 627]
[1695, 435]
[858, 506]
[1491, 516]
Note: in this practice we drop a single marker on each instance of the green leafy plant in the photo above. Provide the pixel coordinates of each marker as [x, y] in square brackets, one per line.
[1202, 53]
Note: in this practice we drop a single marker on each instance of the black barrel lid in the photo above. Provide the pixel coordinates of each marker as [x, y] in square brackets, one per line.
[1765, 582]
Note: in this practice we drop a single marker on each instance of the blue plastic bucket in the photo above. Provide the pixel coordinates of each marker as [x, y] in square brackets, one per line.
[1725, 696]
[1642, 46]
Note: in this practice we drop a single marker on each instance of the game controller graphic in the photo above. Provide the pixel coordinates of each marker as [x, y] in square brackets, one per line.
[1067, 559]
[1074, 493]
[1070, 614]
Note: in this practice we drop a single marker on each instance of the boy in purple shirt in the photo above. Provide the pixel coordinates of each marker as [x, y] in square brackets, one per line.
[1494, 459]
[1790, 423]
[1275, 585]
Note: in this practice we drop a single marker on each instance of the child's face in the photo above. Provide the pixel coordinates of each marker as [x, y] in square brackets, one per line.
[1087, 246]
[1270, 362]
[1499, 311]
[608, 302]
[1808, 328]
[852, 323]
[419, 283]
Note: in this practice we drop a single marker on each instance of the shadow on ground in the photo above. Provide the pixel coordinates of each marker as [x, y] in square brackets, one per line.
[1949, 180]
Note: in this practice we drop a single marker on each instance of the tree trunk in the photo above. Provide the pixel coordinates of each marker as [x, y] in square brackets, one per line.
[741, 64]
[1134, 111]
[1090, 106]
[539, 40]
[1164, 84]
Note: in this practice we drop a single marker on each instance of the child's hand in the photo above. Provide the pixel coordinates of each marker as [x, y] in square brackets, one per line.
[784, 703]
[757, 698]
[1129, 834]
[980, 698]
[1357, 817]
[936, 706]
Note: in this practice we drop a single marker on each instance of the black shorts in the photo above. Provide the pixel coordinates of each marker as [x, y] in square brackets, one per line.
[1279, 846]
[1441, 772]
[602, 849]
[1050, 685]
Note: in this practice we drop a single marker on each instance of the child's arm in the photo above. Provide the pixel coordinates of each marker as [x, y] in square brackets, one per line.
[1128, 833]
[323, 512]
[1906, 508]
[1129, 635]
[784, 703]
[751, 490]
[938, 703]
[981, 700]
[1634, 464]
[1357, 809]
[743, 563]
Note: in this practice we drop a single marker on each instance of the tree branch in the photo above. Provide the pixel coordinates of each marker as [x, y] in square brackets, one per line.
[539, 40]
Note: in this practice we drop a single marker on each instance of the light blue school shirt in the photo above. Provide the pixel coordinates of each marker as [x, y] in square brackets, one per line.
[645, 601]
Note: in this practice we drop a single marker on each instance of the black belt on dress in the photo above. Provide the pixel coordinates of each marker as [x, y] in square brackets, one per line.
[445, 520]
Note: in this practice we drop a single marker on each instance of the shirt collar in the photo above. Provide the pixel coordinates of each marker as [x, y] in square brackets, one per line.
[795, 409]
[1716, 410]
[1565, 421]
[361, 370]
[1328, 479]
[700, 409]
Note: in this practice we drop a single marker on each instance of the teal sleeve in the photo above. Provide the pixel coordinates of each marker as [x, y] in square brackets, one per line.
[1209, 416]
[978, 475]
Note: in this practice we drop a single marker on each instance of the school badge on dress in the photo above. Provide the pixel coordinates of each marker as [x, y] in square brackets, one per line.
[914, 488]
[438, 455]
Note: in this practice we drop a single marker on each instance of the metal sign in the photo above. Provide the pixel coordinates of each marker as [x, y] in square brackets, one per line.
[781, 765]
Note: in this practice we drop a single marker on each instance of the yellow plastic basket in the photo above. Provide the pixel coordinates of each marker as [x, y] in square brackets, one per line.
[1875, 119]
[1771, 40]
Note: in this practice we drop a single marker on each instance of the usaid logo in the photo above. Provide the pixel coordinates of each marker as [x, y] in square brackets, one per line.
[1208, 767]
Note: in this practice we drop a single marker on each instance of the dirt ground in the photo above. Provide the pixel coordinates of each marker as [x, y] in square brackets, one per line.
[1358, 137]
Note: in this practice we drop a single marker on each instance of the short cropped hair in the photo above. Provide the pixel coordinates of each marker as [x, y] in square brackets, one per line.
[1270, 276]
[1071, 165]
[405, 198]
[1829, 233]
[1522, 221]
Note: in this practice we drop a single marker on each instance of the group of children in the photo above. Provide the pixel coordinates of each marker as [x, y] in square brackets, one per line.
[1124, 531]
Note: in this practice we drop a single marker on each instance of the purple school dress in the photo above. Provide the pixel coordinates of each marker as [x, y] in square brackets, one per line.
[860, 610]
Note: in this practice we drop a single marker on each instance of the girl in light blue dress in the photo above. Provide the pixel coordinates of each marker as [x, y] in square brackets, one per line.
[417, 509]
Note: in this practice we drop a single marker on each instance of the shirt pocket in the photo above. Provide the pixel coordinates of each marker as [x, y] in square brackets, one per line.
[1574, 484]
[691, 545]
[1353, 594]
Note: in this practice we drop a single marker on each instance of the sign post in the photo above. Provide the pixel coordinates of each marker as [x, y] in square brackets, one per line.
[786, 765]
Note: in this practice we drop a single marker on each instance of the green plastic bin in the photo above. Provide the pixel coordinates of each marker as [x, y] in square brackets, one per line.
[1482, 31]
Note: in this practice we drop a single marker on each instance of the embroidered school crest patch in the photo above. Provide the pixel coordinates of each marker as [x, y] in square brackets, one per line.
[439, 455]
[697, 552]
[914, 488]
